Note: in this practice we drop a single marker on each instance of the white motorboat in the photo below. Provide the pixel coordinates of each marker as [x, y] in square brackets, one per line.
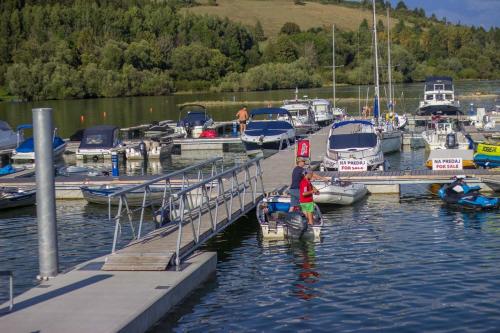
[276, 222]
[354, 140]
[439, 97]
[302, 116]
[8, 138]
[339, 192]
[150, 149]
[390, 136]
[323, 111]
[195, 121]
[12, 197]
[99, 142]
[441, 135]
[269, 129]
[25, 152]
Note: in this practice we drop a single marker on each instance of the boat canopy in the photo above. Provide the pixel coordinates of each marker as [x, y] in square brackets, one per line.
[103, 136]
[194, 118]
[25, 126]
[353, 141]
[349, 122]
[438, 83]
[28, 145]
[278, 111]
[193, 108]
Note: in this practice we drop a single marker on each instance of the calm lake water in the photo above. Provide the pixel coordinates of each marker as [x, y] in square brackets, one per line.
[390, 263]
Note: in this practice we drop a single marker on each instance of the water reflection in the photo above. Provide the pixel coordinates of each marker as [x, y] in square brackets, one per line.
[304, 258]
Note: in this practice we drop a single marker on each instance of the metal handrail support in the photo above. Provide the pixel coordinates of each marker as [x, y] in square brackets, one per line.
[236, 190]
[11, 287]
[123, 205]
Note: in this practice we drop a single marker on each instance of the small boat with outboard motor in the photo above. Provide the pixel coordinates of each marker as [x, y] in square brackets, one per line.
[269, 129]
[276, 222]
[12, 197]
[99, 195]
[458, 193]
[25, 152]
[339, 192]
[99, 142]
[195, 120]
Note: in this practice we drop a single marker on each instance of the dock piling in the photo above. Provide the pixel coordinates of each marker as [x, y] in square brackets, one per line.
[46, 204]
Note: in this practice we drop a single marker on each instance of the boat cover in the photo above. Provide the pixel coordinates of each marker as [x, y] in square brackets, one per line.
[347, 122]
[356, 140]
[279, 111]
[99, 137]
[28, 145]
[6, 170]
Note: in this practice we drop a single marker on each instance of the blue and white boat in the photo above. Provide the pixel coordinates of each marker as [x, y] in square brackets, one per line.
[99, 142]
[194, 122]
[354, 140]
[25, 152]
[269, 129]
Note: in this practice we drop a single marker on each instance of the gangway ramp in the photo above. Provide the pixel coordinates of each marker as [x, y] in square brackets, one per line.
[192, 215]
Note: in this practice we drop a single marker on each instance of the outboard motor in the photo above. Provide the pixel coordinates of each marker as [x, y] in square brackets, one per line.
[297, 224]
[143, 150]
[451, 140]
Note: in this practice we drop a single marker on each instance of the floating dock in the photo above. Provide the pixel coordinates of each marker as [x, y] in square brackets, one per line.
[130, 289]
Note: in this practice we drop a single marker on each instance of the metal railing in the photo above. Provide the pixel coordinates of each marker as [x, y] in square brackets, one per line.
[155, 193]
[11, 287]
[232, 188]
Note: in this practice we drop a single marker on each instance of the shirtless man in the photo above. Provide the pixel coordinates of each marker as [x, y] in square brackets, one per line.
[242, 116]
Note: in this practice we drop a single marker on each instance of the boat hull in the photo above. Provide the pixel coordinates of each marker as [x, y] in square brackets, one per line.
[99, 195]
[447, 110]
[338, 194]
[20, 157]
[391, 142]
[253, 148]
[17, 199]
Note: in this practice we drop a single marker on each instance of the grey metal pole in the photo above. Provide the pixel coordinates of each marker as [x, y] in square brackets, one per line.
[46, 204]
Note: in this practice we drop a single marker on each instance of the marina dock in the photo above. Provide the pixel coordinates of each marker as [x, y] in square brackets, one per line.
[130, 289]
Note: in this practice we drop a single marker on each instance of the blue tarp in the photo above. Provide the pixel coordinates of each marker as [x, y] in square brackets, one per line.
[347, 122]
[6, 170]
[279, 111]
[28, 145]
[357, 140]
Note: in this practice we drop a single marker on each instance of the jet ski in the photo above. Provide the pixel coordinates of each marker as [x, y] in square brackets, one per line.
[458, 193]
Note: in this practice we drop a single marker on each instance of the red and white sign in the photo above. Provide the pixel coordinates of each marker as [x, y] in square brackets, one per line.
[352, 165]
[454, 163]
[303, 148]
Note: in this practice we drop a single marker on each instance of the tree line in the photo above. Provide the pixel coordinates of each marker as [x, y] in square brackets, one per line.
[106, 48]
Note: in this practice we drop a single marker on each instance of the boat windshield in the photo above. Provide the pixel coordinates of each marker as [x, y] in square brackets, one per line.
[298, 113]
[270, 116]
[321, 108]
[353, 141]
[4, 126]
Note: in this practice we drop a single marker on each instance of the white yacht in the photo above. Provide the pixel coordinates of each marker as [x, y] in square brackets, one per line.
[439, 97]
[323, 111]
[302, 116]
[8, 138]
[441, 135]
[353, 140]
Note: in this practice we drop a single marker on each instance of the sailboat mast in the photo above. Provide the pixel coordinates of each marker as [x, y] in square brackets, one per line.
[377, 86]
[389, 69]
[333, 64]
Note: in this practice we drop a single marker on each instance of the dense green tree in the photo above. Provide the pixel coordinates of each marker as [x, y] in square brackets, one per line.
[290, 28]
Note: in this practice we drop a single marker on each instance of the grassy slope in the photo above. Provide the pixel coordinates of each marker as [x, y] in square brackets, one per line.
[274, 13]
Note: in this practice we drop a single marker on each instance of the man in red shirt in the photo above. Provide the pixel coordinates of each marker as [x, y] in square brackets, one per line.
[306, 191]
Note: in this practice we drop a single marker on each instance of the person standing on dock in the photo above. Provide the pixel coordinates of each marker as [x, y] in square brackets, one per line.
[306, 191]
[242, 116]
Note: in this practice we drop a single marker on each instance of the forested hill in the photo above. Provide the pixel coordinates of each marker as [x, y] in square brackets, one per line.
[105, 48]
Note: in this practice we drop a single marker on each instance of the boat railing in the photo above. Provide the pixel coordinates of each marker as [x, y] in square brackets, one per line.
[11, 287]
[170, 183]
[217, 196]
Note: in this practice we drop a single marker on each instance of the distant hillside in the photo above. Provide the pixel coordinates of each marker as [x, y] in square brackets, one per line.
[273, 14]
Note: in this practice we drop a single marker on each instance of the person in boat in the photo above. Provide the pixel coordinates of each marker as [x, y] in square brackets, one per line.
[242, 116]
[306, 191]
[297, 174]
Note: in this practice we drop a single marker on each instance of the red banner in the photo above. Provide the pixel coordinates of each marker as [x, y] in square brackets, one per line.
[304, 148]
